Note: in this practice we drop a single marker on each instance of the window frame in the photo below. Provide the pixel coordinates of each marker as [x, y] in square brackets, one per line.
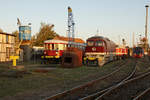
[90, 44]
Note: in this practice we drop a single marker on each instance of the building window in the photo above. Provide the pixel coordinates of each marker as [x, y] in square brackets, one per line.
[7, 39]
[8, 52]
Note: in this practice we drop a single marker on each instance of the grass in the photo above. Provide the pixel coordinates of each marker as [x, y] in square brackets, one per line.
[55, 78]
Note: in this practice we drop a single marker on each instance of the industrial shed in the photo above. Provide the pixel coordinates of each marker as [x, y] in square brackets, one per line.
[7, 45]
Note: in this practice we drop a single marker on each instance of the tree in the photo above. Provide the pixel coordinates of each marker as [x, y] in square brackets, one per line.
[16, 33]
[1, 30]
[46, 32]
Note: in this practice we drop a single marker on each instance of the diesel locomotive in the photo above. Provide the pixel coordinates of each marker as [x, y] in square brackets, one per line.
[99, 50]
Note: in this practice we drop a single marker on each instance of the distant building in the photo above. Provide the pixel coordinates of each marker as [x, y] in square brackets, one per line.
[7, 45]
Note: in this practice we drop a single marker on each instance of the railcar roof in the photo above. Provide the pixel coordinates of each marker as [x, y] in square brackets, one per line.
[64, 42]
[77, 40]
[100, 37]
[55, 41]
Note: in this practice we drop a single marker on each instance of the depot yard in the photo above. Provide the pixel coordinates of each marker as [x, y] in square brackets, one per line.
[45, 80]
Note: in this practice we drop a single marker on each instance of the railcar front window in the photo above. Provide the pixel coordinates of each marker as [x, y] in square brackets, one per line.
[52, 46]
[99, 43]
[49, 46]
[55, 46]
[46, 46]
[90, 43]
[64, 46]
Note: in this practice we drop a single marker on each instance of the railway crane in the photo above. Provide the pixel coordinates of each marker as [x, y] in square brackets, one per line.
[71, 24]
[72, 57]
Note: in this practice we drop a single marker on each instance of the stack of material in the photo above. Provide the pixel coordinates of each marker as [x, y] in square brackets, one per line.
[72, 58]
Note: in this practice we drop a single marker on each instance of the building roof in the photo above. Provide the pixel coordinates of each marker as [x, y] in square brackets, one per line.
[78, 40]
[6, 33]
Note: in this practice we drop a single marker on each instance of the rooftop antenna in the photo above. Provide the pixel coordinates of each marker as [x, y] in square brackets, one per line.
[133, 40]
[97, 32]
[119, 39]
[123, 42]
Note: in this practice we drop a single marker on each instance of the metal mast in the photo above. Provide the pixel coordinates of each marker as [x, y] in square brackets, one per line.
[146, 29]
[133, 42]
[70, 25]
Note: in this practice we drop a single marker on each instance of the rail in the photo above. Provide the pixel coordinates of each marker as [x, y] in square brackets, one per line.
[80, 91]
[105, 91]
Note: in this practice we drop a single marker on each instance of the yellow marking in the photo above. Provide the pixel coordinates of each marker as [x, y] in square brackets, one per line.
[56, 56]
[14, 58]
[85, 58]
[91, 58]
[50, 57]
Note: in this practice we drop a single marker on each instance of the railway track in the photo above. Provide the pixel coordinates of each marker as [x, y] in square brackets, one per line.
[145, 95]
[142, 67]
[137, 72]
[115, 77]
[132, 89]
[103, 92]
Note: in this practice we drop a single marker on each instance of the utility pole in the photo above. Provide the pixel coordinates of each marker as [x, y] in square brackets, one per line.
[119, 39]
[97, 34]
[133, 40]
[123, 43]
[146, 30]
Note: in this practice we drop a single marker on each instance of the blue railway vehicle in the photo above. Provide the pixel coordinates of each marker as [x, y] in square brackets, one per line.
[138, 52]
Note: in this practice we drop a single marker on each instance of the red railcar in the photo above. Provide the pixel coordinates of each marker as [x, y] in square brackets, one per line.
[99, 50]
[53, 49]
[122, 52]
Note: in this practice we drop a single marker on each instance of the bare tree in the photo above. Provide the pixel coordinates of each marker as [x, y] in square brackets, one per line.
[1, 30]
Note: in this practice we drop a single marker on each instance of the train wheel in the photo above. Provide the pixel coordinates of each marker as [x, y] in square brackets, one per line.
[85, 62]
[96, 62]
[88, 63]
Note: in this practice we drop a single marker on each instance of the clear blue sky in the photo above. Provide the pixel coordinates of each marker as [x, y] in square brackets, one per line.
[113, 18]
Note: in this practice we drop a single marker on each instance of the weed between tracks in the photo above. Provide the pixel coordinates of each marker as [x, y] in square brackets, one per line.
[114, 78]
[55, 80]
